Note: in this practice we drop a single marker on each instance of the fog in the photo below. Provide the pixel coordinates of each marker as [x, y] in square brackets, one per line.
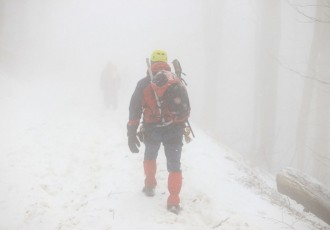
[257, 71]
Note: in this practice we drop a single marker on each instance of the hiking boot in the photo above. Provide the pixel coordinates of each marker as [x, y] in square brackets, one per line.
[148, 191]
[174, 209]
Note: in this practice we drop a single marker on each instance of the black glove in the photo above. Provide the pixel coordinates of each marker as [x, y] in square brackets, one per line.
[133, 142]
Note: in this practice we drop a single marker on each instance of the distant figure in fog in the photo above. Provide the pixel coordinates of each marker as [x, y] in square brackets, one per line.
[110, 83]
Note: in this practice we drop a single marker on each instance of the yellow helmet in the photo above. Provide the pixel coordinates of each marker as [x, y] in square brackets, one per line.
[159, 55]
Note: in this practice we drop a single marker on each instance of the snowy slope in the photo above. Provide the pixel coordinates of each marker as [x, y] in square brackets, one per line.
[65, 165]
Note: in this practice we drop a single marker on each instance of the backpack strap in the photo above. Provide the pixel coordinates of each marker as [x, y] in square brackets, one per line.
[156, 96]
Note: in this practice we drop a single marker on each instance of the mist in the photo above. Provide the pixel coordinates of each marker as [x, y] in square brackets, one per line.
[257, 72]
[270, 72]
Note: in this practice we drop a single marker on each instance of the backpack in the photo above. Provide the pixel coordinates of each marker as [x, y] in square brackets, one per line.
[172, 95]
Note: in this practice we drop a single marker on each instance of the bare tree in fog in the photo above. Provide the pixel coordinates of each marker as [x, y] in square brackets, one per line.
[268, 43]
[2, 17]
[320, 4]
[313, 130]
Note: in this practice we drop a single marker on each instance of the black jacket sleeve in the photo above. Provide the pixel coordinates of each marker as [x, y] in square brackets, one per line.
[135, 106]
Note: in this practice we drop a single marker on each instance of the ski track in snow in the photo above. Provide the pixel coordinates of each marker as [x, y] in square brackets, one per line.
[66, 165]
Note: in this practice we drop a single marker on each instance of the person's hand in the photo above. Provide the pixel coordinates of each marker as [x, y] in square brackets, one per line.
[133, 144]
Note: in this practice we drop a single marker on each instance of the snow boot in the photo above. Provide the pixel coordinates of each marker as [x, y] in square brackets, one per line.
[150, 182]
[174, 187]
[148, 191]
[174, 209]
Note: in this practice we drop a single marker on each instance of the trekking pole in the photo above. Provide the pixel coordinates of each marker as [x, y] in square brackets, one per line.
[192, 132]
[178, 72]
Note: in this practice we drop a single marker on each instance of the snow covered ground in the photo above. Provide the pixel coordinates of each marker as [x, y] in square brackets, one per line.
[65, 164]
